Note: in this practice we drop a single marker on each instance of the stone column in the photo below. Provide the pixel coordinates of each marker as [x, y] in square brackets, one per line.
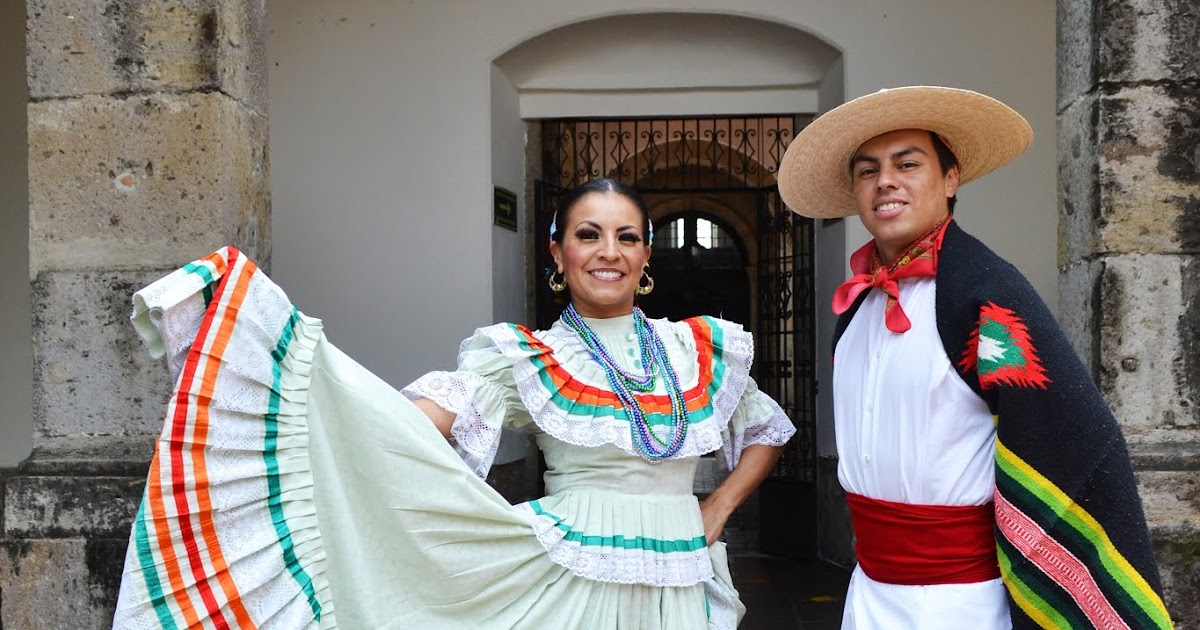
[1129, 248]
[147, 149]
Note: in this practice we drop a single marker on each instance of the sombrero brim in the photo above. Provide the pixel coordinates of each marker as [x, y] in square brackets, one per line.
[983, 133]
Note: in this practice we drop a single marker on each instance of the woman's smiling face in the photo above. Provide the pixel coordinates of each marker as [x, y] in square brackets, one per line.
[602, 254]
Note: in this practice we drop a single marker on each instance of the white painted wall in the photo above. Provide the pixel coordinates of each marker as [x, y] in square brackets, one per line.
[381, 180]
[16, 347]
[832, 266]
[508, 171]
[508, 247]
[671, 51]
[686, 64]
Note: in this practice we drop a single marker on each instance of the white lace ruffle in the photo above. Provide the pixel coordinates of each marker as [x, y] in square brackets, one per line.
[775, 430]
[167, 314]
[735, 353]
[476, 434]
[619, 566]
[722, 612]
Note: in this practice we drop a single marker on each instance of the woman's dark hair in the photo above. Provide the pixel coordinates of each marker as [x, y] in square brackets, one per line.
[602, 186]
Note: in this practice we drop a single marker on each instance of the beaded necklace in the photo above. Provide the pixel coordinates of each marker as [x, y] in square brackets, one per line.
[624, 384]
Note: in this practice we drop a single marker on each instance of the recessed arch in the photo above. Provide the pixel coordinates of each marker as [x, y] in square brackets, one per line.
[664, 62]
[745, 169]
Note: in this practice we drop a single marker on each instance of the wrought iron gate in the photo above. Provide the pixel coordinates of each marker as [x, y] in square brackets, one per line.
[786, 328]
[786, 371]
[667, 154]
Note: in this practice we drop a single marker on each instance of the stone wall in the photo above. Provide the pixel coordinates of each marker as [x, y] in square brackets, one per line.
[147, 149]
[1129, 248]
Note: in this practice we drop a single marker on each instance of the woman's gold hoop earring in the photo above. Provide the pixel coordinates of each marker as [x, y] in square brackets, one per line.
[645, 289]
[557, 287]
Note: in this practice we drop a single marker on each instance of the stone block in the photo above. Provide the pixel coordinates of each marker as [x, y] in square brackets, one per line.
[1076, 50]
[1187, 371]
[1143, 316]
[1171, 500]
[66, 507]
[91, 455]
[92, 375]
[56, 584]
[1178, 554]
[1079, 303]
[145, 182]
[1078, 183]
[81, 47]
[1149, 170]
[1166, 455]
[1146, 40]
[242, 51]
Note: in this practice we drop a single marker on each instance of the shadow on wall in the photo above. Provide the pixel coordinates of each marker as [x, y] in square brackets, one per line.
[16, 346]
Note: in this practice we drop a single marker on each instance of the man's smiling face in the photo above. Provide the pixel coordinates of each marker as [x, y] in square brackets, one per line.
[900, 189]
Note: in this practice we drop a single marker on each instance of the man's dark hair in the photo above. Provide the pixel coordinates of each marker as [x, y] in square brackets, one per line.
[946, 160]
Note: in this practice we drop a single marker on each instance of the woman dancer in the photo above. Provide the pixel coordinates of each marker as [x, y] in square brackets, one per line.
[293, 488]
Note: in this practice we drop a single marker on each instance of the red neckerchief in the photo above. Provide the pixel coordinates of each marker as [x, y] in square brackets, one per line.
[919, 259]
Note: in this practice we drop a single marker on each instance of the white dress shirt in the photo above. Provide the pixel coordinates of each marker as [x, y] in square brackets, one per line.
[910, 430]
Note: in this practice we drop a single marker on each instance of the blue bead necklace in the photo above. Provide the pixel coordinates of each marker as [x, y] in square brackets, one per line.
[624, 384]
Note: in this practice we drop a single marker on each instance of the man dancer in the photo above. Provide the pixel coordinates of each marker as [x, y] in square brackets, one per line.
[976, 454]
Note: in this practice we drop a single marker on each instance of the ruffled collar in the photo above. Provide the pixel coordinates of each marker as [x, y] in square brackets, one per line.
[568, 396]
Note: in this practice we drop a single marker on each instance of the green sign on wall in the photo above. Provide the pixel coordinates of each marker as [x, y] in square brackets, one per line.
[504, 210]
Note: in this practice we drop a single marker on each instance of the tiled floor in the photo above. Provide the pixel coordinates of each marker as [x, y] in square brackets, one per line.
[783, 594]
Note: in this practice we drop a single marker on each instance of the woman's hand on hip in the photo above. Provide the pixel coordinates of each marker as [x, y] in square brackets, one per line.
[715, 513]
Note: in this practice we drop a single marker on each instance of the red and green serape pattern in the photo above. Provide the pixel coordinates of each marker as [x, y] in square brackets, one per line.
[1071, 558]
[1001, 351]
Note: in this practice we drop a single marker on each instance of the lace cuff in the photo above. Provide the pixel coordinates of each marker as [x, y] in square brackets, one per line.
[475, 432]
[767, 424]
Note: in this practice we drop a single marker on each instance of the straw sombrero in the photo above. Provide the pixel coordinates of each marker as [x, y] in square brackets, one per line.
[983, 133]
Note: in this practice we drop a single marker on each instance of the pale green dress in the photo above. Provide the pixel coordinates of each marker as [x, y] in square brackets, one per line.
[299, 490]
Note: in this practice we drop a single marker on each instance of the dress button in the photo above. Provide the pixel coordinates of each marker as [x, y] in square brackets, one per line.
[867, 458]
[629, 351]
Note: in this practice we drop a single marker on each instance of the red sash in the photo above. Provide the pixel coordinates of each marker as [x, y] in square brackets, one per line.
[901, 543]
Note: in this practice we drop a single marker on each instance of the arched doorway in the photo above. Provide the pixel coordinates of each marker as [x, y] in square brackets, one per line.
[700, 268]
[605, 98]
